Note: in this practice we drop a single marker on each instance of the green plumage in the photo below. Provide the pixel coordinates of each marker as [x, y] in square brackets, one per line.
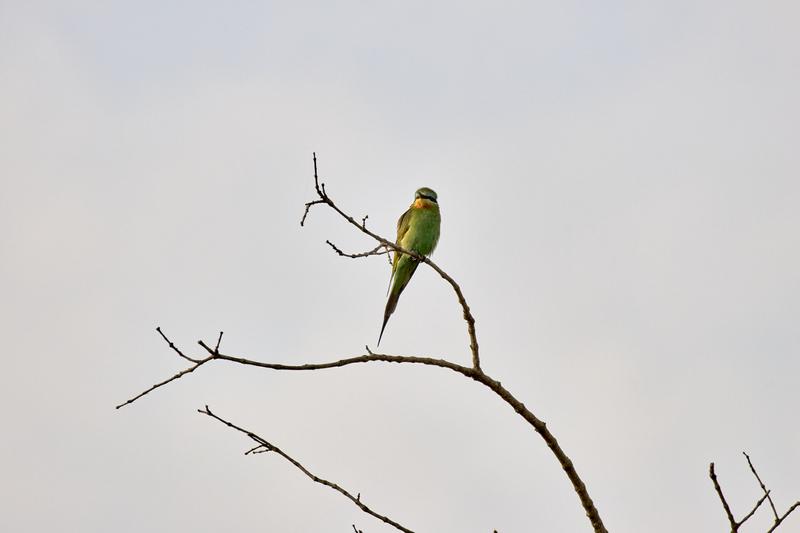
[417, 231]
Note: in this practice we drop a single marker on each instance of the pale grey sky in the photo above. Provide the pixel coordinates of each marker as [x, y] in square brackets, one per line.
[619, 189]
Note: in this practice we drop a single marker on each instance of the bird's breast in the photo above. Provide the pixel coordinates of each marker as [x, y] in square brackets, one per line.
[423, 203]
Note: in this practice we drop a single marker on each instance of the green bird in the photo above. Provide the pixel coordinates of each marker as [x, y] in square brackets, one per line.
[417, 231]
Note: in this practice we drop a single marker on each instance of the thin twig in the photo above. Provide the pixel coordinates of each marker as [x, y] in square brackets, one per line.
[197, 364]
[256, 449]
[378, 250]
[763, 487]
[308, 206]
[169, 380]
[174, 348]
[271, 447]
[725, 505]
[219, 340]
[753, 510]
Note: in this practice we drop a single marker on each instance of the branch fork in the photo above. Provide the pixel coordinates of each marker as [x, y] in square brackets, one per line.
[736, 524]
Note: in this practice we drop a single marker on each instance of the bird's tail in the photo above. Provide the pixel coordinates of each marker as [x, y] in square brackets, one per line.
[402, 276]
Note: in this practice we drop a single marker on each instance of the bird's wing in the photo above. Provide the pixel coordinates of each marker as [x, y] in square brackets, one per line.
[403, 224]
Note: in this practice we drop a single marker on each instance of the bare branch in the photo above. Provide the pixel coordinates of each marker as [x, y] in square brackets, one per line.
[219, 340]
[378, 250]
[725, 505]
[308, 206]
[197, 364]
[470, 372]
[778, 519]
[476, 374]
[175, 348]
[467, 313]
[754, 509]
[753, 470]
[371, 358]
[268, 446]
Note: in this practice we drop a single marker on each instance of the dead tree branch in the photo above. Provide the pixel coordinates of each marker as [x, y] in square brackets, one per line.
[477, 375]
[264, 446]
[736, 524]
[473, 372]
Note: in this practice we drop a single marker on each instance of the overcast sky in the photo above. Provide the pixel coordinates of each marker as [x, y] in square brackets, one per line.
[619, 191]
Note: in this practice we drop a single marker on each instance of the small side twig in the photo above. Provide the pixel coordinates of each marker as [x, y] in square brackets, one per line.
[219, 340]
[308, 206]
[179, 375]
[754, 509]
[174, 348]
[712, 474]
[213, 354]
[378, 250]
[268, 446]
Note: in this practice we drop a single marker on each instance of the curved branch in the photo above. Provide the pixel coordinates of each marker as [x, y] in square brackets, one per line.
[266, 446]
[476, 374]
[470, 320]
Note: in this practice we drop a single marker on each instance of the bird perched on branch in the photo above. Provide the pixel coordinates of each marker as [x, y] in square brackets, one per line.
[417, 231]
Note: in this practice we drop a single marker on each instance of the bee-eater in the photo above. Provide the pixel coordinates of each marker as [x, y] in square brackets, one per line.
[417, 231]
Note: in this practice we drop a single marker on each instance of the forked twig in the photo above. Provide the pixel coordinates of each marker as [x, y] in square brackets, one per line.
[736, 524]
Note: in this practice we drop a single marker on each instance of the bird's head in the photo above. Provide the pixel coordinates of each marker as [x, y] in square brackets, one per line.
[426, 194]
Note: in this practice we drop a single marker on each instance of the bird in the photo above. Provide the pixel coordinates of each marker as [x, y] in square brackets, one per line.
[417, 231]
